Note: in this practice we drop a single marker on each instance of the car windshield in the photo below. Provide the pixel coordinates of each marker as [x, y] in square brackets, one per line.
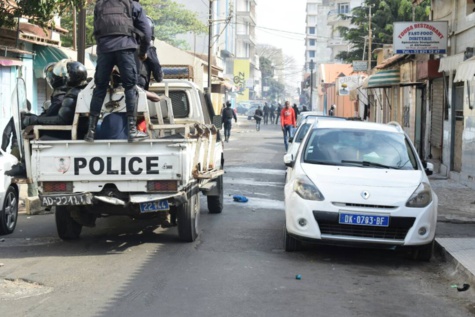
[361, 148]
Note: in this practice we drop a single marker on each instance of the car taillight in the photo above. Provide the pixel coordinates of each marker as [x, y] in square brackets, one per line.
[162, 186]
[55, 187]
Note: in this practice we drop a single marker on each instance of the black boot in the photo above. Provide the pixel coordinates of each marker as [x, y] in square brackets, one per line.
[91, 130]
[134, 134]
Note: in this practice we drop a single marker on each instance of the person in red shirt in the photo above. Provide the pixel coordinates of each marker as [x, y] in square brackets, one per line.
[287, 121]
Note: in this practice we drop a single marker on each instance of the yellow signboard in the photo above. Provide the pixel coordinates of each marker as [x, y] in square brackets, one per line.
[242, 70]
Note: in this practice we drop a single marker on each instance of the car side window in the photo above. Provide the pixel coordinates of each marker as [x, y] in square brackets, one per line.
[302, 132]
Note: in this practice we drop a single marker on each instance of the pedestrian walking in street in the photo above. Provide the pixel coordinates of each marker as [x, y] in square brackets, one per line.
[278, 112]
[258, 115]
[227, 115]
[266, 113]
[296, 111]
[287, 122]
[117, 25]
[272, 113]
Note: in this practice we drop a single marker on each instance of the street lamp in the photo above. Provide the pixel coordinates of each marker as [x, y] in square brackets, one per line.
[311, 65]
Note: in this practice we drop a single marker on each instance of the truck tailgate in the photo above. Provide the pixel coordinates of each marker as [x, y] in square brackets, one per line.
[108, 161]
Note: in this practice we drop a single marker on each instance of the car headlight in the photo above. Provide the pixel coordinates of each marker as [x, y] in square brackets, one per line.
[304, 187]
[421, 197]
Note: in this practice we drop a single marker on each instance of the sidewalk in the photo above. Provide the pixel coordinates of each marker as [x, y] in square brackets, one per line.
[455, 235]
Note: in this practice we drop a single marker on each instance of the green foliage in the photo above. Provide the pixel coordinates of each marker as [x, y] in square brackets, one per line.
[170, 19]
[39, 12]
[384, 14]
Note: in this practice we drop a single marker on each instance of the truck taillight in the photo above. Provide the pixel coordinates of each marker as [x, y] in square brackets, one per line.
[55, 187]
[162, 186]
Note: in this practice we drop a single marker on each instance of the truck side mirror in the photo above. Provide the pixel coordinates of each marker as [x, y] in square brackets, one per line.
[218, 121]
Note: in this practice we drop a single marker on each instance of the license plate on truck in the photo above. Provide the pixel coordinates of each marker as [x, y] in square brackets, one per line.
[66, 199]
[364, 220]
[153, 206]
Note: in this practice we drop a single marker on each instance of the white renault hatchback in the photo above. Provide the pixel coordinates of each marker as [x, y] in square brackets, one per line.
[359, 183]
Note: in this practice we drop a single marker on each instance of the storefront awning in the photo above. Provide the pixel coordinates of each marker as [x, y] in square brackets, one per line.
[51, 54]
[10, 62]
[450, 63]
[465, 70]
[44, 56]
[384, 78]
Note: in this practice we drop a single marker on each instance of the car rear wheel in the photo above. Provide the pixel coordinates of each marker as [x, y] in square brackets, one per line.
[290, 243]
[187, 216]
[9, 212]
[215, 203]
[67, 227]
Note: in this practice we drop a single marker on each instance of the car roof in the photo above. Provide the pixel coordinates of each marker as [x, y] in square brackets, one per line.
[360, 125]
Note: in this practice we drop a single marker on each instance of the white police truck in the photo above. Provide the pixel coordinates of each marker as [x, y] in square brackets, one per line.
[158, 177]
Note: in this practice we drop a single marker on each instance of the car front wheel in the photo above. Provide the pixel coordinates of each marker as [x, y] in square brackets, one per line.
[290, 243]
[9, 212]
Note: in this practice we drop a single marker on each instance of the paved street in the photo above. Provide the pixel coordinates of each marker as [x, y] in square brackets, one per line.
[237, 267]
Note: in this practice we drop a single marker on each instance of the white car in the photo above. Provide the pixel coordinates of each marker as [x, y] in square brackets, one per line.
[8, 195]
[359, 183]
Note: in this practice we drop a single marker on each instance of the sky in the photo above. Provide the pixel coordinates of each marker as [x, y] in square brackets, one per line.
[282, 24]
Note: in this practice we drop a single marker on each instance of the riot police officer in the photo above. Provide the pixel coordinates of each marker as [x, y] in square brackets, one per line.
[117, 23]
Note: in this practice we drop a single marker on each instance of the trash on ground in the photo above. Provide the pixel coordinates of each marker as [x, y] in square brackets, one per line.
[298, 277]
[463, 288]
[240, 199]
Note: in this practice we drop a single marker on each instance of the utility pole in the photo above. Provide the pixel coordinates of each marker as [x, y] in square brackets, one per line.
[370, 38]
[311, 65]
[210, 37]
[82, 36]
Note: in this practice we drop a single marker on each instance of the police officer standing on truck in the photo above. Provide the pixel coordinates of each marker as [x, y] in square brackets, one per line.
[117, 24]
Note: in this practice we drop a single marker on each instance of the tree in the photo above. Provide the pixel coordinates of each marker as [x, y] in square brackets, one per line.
[384, 14]
[38, 12]
[169, 17]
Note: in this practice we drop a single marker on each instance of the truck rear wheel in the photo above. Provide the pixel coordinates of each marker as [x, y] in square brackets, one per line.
[215, 203]
[67, 227]
[188, 215]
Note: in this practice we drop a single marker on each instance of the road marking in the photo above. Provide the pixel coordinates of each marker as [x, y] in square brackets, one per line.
[255, 170]
[258, 203]
[251, 181]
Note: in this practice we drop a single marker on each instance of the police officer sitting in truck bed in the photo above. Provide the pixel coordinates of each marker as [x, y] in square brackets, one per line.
[76, 78]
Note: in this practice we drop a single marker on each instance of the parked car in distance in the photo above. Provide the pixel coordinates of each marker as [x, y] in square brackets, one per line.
[250, 112]
[241, 109]
[359, 183]
[9, 193]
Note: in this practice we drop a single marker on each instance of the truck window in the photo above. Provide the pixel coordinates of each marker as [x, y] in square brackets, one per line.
[181, 105]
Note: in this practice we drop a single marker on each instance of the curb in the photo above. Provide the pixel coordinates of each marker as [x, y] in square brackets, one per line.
[455, 266]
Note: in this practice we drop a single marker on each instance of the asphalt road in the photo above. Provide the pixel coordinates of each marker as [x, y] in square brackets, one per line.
[237, 267]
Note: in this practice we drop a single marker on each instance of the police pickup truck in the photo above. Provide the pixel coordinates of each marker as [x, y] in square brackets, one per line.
[158, 177]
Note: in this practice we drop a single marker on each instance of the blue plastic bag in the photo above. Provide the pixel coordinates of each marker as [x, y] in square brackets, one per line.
[240, 199]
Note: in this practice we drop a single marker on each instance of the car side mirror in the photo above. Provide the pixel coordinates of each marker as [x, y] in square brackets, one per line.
[218, 121]
[289, 160]
[428, 168]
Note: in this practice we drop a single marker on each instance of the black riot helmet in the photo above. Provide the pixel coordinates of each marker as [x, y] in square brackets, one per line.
[53, 80]
[152, 26]
[74, 72]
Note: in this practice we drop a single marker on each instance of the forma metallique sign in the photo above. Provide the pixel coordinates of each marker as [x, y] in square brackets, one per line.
[420, 37]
